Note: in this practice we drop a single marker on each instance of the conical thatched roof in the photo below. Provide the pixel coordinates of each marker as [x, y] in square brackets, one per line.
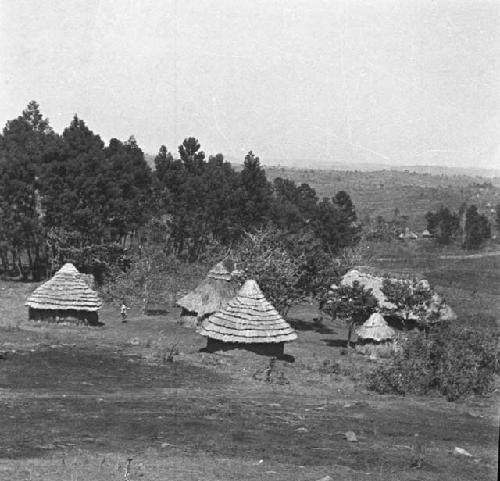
[67, 290]
[214, 292]
[219, 272]
[375, 328]
[248, 318]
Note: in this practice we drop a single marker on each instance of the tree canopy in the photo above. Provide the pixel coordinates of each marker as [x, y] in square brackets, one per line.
[73, 191]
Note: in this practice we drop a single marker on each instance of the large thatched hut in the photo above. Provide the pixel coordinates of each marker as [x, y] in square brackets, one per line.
[248, 321]
[213, 293]
[372, 278]
[65, 298]
[375, 336]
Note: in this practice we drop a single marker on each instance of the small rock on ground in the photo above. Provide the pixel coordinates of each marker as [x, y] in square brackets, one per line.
[461, 452]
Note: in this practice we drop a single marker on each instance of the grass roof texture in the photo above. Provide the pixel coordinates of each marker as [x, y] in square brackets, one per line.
[376, 329]
[214, 292]
[248, 318]
[368, 281]
[66, 290]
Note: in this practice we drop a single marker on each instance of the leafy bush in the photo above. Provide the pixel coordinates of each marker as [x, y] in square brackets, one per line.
[410, 371]
[466, 363]
[454, 361]
[411, 297]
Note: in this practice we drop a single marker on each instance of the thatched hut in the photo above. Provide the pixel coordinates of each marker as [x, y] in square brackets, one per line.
[89, 280]
[248, 321]
[213, 293]
[375, 336]
[407, 235]
[65, 298]
[370, 278]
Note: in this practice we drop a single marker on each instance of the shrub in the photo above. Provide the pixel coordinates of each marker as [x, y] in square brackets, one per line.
[328, 366]
[466, 363]
[411, 297]
[454, 361]
[409, 372]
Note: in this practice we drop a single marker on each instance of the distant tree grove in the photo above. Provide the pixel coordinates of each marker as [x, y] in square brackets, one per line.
[468, 225]
[71, 196]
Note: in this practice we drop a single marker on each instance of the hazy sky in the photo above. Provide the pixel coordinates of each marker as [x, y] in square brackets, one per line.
[373, 81]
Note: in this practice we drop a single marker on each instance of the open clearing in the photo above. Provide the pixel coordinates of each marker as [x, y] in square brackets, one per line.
[77, 402]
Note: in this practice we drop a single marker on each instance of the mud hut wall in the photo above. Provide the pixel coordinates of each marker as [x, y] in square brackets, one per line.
[63, 315]
[266, 349]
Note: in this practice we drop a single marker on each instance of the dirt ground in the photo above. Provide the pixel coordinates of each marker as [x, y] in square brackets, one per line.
[80, 403]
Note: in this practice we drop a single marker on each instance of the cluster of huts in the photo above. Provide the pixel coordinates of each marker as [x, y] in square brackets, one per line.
[379, 334]
[229, 314]
[408, 234]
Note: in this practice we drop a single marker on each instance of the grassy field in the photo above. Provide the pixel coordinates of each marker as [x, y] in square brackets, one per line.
[76, 403]
[471, 285]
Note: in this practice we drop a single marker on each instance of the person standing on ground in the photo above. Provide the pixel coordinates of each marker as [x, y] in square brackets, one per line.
[123, 311]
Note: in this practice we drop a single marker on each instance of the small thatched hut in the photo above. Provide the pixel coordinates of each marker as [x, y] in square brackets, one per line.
[375, 336]
[213, 293]
[65, 298]
[407, 235]
[248, 321]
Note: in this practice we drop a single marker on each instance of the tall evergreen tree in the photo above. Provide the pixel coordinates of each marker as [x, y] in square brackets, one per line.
[497, 217]
[23, 144]
[443, 225]
[255, 193]
[348, 229]
[335, 222]
[221, 202]
[86, 151]
[129, 188]
[477, 228]
[191, 155]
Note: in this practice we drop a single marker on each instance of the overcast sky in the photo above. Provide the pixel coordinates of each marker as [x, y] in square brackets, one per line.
[403, 82]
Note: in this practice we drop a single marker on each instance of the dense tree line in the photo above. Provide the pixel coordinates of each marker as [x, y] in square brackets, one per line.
[72, 196]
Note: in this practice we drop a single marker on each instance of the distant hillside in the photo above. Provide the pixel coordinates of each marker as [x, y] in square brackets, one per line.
[370, 167]
[413, 194]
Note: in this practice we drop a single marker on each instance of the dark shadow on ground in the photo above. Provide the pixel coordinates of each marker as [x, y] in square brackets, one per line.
[337, 342]
[314, 325]
[81, 371]
[241, 351]
[286, 358]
